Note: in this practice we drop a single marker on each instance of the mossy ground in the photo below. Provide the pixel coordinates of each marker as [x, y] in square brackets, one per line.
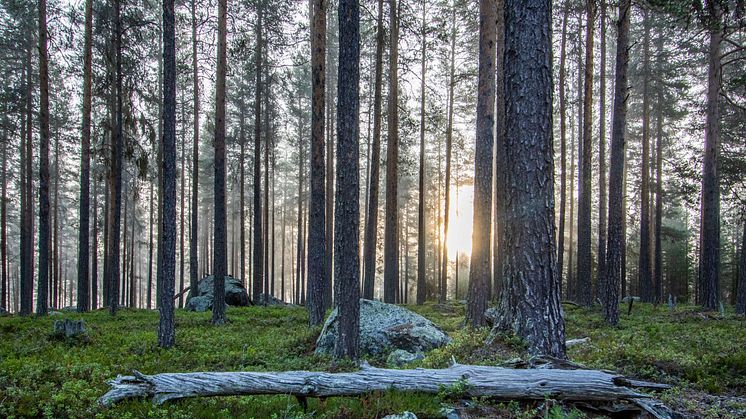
[702, 354]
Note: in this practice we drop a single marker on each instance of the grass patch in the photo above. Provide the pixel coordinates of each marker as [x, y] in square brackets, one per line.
[42, 377]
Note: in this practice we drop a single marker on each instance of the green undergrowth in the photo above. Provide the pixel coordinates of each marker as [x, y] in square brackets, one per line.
[43, 377]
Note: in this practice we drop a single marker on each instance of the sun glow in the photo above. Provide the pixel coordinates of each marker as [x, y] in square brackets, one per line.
[461, 219]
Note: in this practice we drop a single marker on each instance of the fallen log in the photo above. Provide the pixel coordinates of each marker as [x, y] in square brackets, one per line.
[494, 382]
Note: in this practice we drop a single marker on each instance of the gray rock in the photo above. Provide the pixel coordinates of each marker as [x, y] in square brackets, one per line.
[384, 327]
[270, 300]
[4, 312]
[70, 330]
[200, 303]
[69, 309]
[55, 313]
[403, 415]
[400, 357]
[235, 294]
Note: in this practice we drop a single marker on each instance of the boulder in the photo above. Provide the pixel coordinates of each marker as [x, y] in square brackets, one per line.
[385, 327]
[70, 330]
[400, 357]
[200, 303]
[235, 294]
[270, 300]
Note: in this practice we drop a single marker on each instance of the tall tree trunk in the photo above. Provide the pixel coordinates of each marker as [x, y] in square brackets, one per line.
[267, 146]
[347, 210]
[391, 235]
[709, 280]
[182, 204]
[123, 281]
[5, 291]
[194, 231]
[23, 236]
[150, 251]
[371, 219]
[94, 249]
[242, 193]
[42, 295]
[479, 269]
[584, 273]
[741, 294]
[500, 194]
[220, 245]
[616, 239]
[570, 289]
[284, 239]
[625, 282]
[116, 169]
[85, 165]
[258, 250]
[658, 259]
[27, 280]
[644, 263]
[159, 157]
[563, 144]
[329, 195]
[421, 284]
[133, 280]
[602, 198]
[299, 245]
[167, 241]
[316, 216]
[55, 264]
[531, 302]
[443, 282]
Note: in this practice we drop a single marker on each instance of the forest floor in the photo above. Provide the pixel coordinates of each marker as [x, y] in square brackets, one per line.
[703, 355]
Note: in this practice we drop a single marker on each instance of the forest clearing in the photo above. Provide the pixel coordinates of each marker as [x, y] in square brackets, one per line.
[700, 354]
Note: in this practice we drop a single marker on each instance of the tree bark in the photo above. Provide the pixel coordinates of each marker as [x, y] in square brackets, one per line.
[480, 277]
[5, 291]
[584, 257]
[371, 219]
[316, 214]
[421, 283]
[182, 203]
[614, 256]
[391, 237]
[500, 194]
[741, 294]
[443, 280]
[194, 231]
[530, 305]
[42, 294]
[709, 281]
[27, 232]
[563, 145]
[494, 382]
[347, 202]
[220, 244]
[644, 263]
[658, 225]
[116, 169]
[602, 198]
[94, 249]
[258, 251]
[167, 241]
[85, 165]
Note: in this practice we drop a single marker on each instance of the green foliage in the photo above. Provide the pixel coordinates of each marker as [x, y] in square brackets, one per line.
[40, 377]
[684, 347]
